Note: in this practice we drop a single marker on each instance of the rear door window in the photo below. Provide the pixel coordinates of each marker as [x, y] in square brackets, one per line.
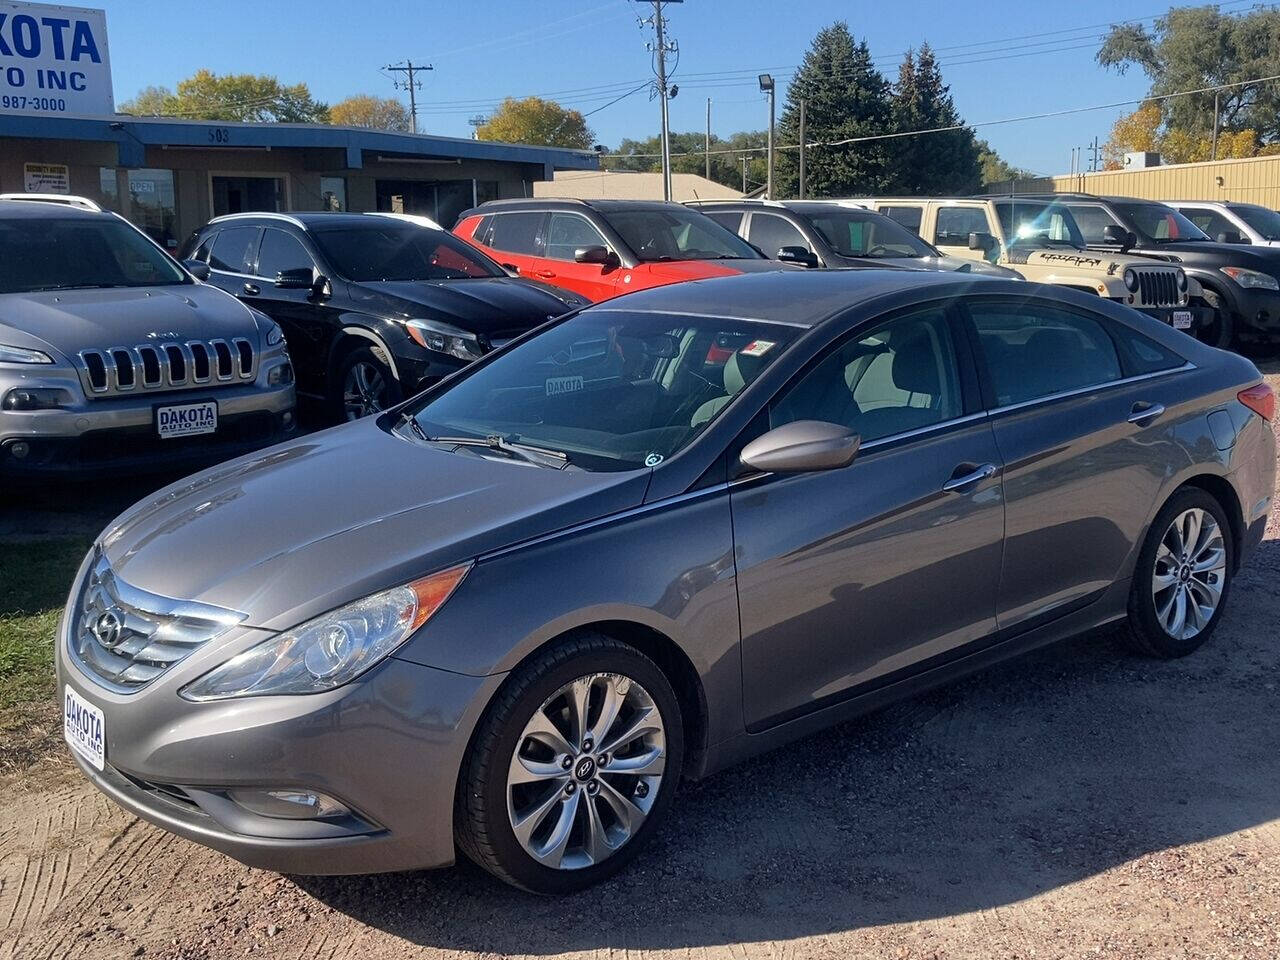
[909, 217]
[771, 233]
[517, 233]
[729, 219]
[234, 250]
[1034, 350]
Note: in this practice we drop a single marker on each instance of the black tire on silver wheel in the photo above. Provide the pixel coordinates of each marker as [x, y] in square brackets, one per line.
[571, 768]
[1183, 576]
[363, 385]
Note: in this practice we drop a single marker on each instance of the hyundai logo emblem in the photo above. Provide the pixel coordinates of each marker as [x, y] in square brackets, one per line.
[108, 630]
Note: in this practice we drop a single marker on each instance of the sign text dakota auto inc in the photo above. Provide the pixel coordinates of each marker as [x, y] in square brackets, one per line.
[54, 60]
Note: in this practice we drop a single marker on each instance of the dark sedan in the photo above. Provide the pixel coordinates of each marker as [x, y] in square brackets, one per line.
[375, 307]
[660, 535]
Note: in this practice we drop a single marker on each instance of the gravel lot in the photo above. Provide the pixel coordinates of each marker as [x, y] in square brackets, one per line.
[1078, 802]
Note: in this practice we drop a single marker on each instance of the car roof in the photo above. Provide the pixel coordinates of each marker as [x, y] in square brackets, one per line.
[39, 210]
[802, 298]
[306, 220]
[795, 206]
[569, 203]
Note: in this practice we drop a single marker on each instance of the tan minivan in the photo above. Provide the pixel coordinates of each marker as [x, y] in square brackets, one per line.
[1041, 240]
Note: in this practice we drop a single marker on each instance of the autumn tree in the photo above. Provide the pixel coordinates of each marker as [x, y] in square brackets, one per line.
[366, 110]
[236, 97]
[536, 121]
[1191, 48]
[995, 169]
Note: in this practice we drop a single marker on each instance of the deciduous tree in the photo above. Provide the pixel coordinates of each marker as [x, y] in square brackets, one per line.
[237, 97]
[536, 121]
[366, 110]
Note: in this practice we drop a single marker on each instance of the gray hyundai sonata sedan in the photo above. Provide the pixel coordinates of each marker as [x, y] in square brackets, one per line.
[644, 542]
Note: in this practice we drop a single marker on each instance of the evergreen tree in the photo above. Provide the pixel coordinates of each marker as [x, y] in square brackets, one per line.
[940, 164]
[845, 96]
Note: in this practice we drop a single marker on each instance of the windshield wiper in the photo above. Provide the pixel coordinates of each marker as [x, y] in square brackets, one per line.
[524, 451]
[409, 420]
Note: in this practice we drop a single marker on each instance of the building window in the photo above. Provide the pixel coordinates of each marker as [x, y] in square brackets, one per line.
[333, 193]
[152, 206]
[108, 189]
[486, 190]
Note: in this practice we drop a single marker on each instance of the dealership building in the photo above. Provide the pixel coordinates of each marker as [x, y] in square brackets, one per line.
[170, 176]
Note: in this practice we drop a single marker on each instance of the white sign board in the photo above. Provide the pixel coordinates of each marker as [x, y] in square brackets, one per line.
[46, 178]
[54, 61]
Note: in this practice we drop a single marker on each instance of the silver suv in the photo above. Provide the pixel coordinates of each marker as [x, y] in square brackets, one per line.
[114, 357]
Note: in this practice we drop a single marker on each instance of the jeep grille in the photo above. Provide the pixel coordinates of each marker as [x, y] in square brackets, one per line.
[1157, 288]
[167, 366]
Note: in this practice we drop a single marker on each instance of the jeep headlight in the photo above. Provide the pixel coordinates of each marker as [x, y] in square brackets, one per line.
[1130, 280]
[1252, 279]
[1182, 279]
[22, 355]
[443, 338]
[332, 649]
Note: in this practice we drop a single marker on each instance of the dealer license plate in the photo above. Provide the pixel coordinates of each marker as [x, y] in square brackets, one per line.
[188, 420]
[1182, 319]
[84, 728]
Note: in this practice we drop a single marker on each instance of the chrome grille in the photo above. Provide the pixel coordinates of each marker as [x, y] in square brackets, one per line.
[167, 366]
[1158, 288]
[126, 637]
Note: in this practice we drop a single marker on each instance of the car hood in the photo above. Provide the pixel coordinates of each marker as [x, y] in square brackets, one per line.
[677, 271]
[1211, 254]
[942, 263]
[482, 305]
[288, 533]
[69, 321]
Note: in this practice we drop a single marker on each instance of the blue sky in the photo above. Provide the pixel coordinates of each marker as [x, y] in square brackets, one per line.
[1002, 59]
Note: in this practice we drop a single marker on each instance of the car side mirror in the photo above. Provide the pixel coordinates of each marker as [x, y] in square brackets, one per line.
[797, 254]
[300, 278]
[801, 447]
[1231, 236]
[1122, 238]
[596, 254]
[981, 241]
[197, 269]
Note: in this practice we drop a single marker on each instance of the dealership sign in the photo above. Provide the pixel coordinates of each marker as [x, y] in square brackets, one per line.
[53, 60]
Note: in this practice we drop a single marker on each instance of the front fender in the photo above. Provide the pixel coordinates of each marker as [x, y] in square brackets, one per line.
[667, 567]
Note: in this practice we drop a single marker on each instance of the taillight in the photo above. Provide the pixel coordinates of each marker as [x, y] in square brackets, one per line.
[1261, 399]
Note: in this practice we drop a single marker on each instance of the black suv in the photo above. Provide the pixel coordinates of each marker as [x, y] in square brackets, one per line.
[375, 306]
[1242, 283]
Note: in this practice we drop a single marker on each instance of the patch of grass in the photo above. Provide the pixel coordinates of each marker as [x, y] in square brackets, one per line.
[35, 577]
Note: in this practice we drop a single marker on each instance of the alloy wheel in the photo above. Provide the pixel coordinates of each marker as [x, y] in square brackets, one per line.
[1189, 574]
[364, 390]
[586, 771]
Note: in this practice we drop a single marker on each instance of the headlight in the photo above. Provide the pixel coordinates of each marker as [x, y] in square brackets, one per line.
[332, 649]
[443, 338]
[1130, 280]
[1252, 278]
[1182, 279]
[22, 355]
[36, 398]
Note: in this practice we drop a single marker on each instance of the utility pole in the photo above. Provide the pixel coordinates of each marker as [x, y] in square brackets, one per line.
[744, 174]
[1213, 150]
[409, 68]
[708, 141]
[1094, 149]
[802, 105]
[768, 86]
[661, 47]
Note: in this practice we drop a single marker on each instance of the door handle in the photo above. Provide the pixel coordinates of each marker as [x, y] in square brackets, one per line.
[964, 482]
[1144, 413]
[544, 274]
[252, 289]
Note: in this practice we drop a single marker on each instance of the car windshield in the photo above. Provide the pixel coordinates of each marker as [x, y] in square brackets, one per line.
[610, 389]
[1262, 219]
[677, 233]
[852, 233]
[80, 252]
[1037, 222]
[1157, 223]
[394, 250]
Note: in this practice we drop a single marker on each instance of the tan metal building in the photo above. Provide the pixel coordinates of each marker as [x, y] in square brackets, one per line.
[1252, 180]
[630, 185]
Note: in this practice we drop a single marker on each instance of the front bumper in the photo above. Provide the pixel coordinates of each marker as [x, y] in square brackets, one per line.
[1257, 311]
[1201, 316]
[119, 433]
[389, 746]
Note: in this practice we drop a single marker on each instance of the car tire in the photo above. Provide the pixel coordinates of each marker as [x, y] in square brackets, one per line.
[1172, 610]
[1220, 332]
[362, 380]
[555, 819]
